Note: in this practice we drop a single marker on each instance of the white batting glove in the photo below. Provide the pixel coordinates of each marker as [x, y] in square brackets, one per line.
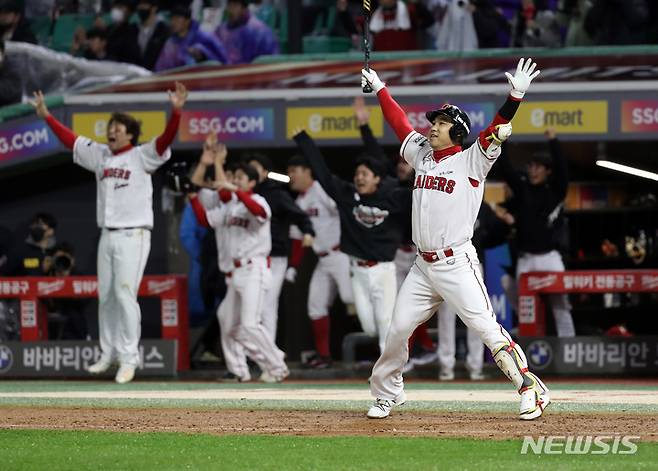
[370, 77]
[503, 132]
[291, 274]
[520, 81]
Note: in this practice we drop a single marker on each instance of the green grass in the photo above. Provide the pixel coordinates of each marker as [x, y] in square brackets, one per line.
[55, 450]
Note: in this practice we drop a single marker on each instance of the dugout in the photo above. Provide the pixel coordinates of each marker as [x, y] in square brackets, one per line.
[601, 101]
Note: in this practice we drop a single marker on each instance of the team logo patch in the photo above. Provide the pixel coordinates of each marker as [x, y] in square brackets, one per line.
[369, 216]
[6, 358]
[540, 354]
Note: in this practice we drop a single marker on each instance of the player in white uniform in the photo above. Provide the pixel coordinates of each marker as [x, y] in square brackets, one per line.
[124, 212]
[332, 272]
[446, 198]
[244, 218]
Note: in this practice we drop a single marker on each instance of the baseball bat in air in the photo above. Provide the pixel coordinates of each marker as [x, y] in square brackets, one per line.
[366, 44]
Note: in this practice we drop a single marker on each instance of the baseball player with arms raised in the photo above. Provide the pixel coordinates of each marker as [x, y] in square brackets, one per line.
[124, 212]
[371, 211]
[241, 221]
[447, 194]
[332, 272]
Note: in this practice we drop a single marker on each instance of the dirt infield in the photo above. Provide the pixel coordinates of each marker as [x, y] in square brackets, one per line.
[313, 423]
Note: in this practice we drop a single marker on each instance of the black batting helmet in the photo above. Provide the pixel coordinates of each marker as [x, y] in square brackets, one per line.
[461, 121]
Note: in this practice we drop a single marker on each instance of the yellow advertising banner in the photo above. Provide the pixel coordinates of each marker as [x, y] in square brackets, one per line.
[331, 122]
[94, 125]
[567, 117]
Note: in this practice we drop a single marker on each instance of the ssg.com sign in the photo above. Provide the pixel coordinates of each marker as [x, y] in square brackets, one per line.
[72, 358]
[592, 355]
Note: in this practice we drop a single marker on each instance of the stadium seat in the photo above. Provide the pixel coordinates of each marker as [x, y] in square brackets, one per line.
[42, 29]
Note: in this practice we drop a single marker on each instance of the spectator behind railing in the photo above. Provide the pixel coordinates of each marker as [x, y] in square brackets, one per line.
[456, 32]
[121, 34]
[152, 33]
[572, 13]
[618, 22]
[395, 25]
[13, 27]
[188, 45]
[11, 88]
[245, 36]
[96, 45]
[536, 25]
[345, 25]
[489, 22]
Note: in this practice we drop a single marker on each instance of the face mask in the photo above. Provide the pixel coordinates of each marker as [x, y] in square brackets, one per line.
[37, 233]
[143, 14]
[117, 15]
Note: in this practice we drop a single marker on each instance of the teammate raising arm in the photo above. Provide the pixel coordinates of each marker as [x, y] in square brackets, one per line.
[371, 210]
[124, 213]
[447, 193]
[241, 220]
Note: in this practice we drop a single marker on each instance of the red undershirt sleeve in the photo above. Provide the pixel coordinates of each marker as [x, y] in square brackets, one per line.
[64, 134]
[165, 139]
[395, 116]
[251, 204]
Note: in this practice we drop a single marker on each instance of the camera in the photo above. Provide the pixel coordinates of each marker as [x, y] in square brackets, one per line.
[63, 263]
[177, 178]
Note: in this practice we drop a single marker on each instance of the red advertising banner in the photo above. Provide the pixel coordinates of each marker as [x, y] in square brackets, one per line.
[639, 116]
[532, 316]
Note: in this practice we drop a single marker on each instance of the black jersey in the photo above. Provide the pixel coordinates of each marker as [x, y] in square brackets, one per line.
[371, 225]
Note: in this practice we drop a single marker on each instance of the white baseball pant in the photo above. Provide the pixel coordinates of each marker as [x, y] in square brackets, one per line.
[404, 260]
[245, 296]
[447, 348]
[270, 314]
[458, 281]
[374, 291]
[331, 276]
[550, 261]
[122, 255]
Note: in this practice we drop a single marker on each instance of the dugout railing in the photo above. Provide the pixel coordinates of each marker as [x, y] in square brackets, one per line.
[534, 286]
[170, 289]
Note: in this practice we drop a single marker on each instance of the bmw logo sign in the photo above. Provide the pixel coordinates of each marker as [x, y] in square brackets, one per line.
[6, 358]
[540, 354]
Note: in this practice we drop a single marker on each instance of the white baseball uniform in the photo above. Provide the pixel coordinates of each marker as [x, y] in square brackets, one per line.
[332, 273]
[447, 195]
[124, 212]
[246, 242]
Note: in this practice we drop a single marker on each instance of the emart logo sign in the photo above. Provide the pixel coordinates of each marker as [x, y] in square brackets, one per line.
[567, 117]
[580, 445]
[331, 122]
